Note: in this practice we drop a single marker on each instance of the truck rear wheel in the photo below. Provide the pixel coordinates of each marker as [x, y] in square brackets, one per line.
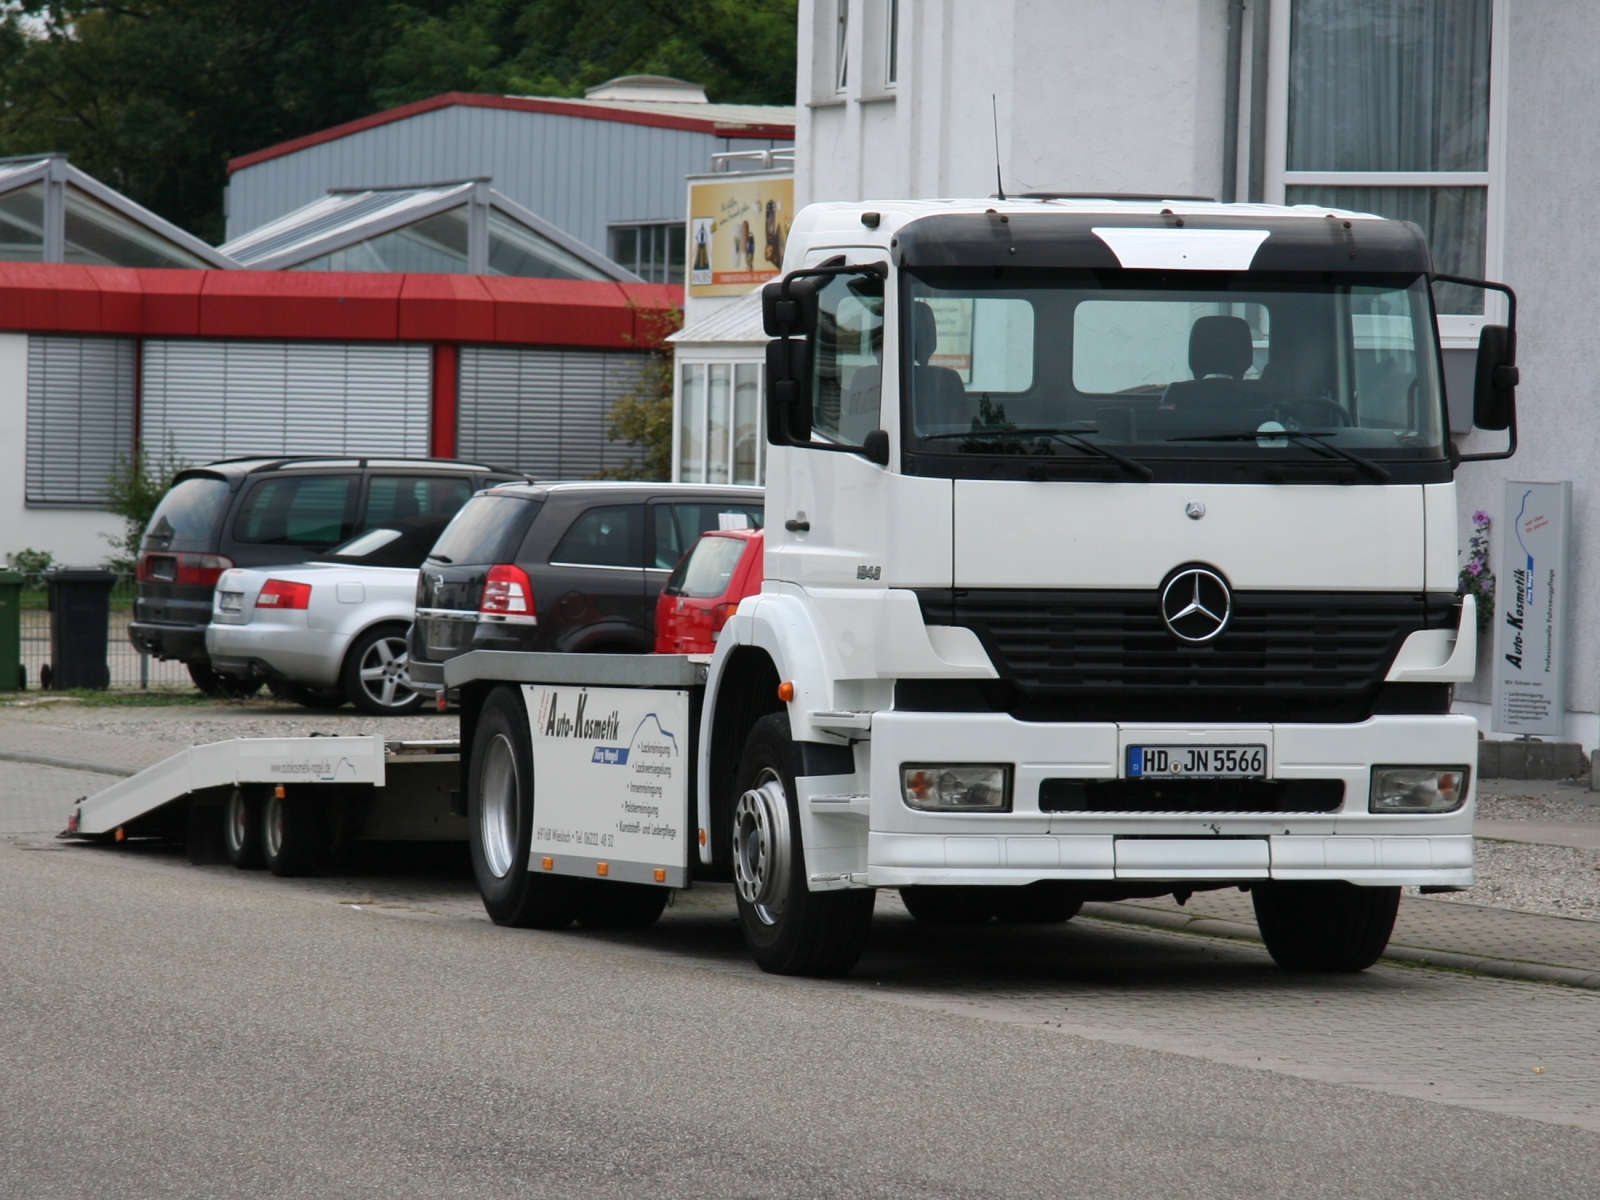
[1324, 927]
[241, 830]
[604, 905]
[788, 928]
[957, 905]
[500, 822]
[295, 838]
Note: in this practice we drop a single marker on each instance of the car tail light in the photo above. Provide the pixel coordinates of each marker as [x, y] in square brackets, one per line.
[507, 596]
[186, 570]
[721, 613]
[281, 593]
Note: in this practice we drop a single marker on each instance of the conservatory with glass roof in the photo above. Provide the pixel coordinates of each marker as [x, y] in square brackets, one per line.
[462, 228]
[52, 212]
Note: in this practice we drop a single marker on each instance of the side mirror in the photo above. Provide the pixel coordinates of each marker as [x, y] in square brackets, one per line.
[875, 447]
[788, 391]
[789, 306]
[1494, 390]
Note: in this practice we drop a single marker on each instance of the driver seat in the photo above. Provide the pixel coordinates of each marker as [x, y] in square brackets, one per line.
[1220, 352]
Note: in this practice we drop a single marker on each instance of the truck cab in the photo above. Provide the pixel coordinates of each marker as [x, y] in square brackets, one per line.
[1111, 552]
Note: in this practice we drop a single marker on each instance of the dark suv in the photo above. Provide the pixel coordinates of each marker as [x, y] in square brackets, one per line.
[561, 566]
[264, 511]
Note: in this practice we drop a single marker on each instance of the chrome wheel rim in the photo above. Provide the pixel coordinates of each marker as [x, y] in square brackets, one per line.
[497, 806]
[761, 842]
[272, 827]
[383, 673]
[236, 823]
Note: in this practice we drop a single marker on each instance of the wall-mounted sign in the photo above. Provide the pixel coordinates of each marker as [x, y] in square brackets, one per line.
[738, 229]
[1530, 619]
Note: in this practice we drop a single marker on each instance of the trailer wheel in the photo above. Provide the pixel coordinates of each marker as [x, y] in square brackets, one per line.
[241, 830]
[1044, 902]
[295, 838]
[500, 822]
[788, 928]
[605, 905]
[957, 905]
[1324, 927]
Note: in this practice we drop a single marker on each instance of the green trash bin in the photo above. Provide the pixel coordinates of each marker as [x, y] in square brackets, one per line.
[11, 631]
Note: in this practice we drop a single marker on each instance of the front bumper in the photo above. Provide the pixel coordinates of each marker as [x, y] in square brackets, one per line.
[905, 846]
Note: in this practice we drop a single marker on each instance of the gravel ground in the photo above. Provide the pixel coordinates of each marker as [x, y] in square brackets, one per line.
[1555, 880]
[197, 724]
[1539, 801]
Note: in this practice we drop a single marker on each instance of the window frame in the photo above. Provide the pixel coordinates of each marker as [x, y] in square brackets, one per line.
[701, 369]
[1457, 331]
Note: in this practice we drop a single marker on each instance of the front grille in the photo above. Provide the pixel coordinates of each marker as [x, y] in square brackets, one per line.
[1191, 795]
[1106, 655]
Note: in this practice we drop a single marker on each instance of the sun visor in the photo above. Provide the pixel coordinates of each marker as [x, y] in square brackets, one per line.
[1183, 249]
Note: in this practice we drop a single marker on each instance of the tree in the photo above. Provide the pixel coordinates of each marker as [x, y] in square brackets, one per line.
[155, 96]
[643, 415]
[133, 489]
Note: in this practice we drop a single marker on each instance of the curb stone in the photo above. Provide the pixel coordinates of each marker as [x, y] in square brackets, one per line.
[1415, 955]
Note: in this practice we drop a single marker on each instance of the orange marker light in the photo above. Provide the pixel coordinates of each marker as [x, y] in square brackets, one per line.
[661, 874]
[280, 791]
[702, 837]
[786, 691]
[121, 833]
[602, 868]
[549, 864]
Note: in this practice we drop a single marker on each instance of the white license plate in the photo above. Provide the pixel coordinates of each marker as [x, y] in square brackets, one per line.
[1197, 762]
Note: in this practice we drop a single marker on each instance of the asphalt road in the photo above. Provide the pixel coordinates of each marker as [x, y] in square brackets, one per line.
[179, 1031]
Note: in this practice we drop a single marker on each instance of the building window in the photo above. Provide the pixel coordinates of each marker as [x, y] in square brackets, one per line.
[652, 252]
[80, 422]
[841, 47]
[719, 424]
[1388, 112]
[891, 68]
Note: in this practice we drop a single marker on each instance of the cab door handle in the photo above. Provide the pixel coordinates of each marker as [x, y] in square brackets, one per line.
[794, 526]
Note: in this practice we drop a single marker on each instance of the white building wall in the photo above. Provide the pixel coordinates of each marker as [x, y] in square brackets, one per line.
[1090, 96]
[77, 537]
[1551, 248]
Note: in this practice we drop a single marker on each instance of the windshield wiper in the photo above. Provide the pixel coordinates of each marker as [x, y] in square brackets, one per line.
[1064, 436]
[1304, 437]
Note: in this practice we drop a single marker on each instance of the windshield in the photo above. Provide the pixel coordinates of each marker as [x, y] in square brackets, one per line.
[1156, 370]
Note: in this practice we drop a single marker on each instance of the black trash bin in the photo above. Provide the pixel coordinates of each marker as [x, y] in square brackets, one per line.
[80, 612]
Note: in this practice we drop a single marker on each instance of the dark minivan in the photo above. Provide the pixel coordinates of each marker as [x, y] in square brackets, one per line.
[265, 511]
[562, 566]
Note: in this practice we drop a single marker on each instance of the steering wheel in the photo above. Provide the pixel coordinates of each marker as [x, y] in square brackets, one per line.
[1336, 412]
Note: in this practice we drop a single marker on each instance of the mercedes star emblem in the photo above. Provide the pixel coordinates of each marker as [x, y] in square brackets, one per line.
[1195, 509]
[1196, 604]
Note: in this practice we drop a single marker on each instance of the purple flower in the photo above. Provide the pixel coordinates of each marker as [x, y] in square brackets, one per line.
[1480, 519]
[1474, 568]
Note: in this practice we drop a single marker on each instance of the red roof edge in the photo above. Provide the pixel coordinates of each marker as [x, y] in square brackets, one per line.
[563, 108]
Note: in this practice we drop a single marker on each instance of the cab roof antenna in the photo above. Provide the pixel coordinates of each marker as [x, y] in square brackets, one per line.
[999, 185]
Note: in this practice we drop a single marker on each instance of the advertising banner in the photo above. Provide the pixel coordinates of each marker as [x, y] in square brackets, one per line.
[610, 782]
[1530, 618]
[738, 228]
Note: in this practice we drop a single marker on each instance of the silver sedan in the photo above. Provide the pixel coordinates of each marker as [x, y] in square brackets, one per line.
[326, 632]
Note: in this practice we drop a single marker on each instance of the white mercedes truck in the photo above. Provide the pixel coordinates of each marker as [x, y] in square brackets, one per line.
[1111, 553]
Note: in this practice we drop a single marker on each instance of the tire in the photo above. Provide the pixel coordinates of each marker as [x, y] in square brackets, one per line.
[1324, 927]
[788, 929]
[241, 830]
[1047, 902]
[205, 834]
[500, 822]
[223, 687]
[605, 905]
[959, 905]
[374, 675]
[295, 838]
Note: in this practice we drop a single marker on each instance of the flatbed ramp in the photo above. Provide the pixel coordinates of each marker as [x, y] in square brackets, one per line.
[412, 781]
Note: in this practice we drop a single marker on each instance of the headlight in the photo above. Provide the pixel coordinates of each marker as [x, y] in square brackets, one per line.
[1418, 789]
[957, 788]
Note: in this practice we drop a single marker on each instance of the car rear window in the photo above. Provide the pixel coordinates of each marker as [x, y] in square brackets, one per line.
[709, 568]
[488, 529]
[188, 515]
[298, 510]
[677, 526]
[609, 536]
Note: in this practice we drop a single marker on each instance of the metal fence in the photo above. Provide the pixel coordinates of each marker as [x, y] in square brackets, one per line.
[129, 668]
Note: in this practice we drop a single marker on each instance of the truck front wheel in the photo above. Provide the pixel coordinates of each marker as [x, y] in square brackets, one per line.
[1324, 927]
[788, 928]
[500, 821]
